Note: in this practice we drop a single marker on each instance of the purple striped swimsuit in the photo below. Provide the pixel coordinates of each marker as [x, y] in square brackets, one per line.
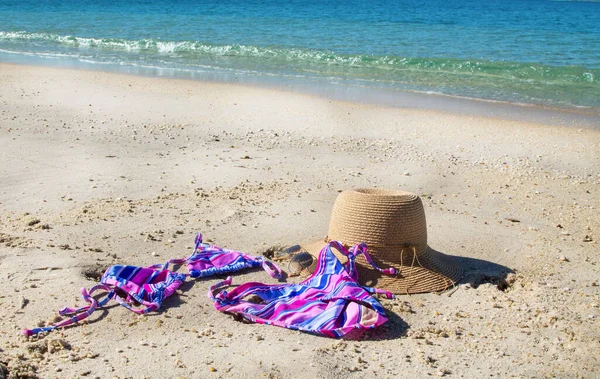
[329, 303]
[209, 260]
[149, 286]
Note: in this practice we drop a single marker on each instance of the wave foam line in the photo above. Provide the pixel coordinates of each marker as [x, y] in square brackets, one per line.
[317, 60]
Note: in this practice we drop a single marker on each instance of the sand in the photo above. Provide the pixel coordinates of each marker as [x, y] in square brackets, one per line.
[98, 169]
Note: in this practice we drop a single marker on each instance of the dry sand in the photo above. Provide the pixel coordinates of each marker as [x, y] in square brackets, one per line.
[98, 169]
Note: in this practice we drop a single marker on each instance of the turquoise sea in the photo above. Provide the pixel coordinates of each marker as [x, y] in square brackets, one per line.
[537, 52]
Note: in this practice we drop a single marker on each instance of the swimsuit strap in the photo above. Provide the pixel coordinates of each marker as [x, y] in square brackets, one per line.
[326, 263]
[354, 251]
[176, 261]
[363, 250]
[220, 295]
[350, 265]
[197, 240]
[80, 313]
[380, 291]
[271, 268]
[149, 306]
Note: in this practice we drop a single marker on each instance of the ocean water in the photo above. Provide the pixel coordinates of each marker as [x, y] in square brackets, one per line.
[539, 52]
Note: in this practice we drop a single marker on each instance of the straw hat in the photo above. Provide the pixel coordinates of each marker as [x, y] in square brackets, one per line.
[392, 224]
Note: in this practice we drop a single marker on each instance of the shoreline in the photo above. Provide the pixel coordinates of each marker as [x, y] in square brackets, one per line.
[570, 117]
[99, 169]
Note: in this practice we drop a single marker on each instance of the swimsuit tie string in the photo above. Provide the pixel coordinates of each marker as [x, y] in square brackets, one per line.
[214, 287]
[80, 313]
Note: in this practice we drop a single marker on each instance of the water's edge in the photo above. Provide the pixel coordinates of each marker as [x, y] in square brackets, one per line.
[577, 118]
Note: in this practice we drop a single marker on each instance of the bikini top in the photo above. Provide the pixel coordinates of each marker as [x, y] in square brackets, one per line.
[143, 289]
[209, 260]
[330, 302]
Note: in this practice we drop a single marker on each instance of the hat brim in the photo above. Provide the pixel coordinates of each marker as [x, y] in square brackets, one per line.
[426, 271]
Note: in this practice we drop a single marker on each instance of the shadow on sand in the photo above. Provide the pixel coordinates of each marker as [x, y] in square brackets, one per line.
[475, 273]
[478, 272]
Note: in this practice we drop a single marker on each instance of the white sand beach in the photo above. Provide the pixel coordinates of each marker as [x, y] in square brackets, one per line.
[99, 169]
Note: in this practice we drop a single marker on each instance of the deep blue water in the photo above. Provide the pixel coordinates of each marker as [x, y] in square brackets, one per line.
[520, 51]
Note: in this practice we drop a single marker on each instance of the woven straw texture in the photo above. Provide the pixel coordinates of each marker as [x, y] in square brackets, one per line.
[392, 224]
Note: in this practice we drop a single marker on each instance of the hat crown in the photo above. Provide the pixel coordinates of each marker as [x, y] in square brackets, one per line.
[378, 217]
